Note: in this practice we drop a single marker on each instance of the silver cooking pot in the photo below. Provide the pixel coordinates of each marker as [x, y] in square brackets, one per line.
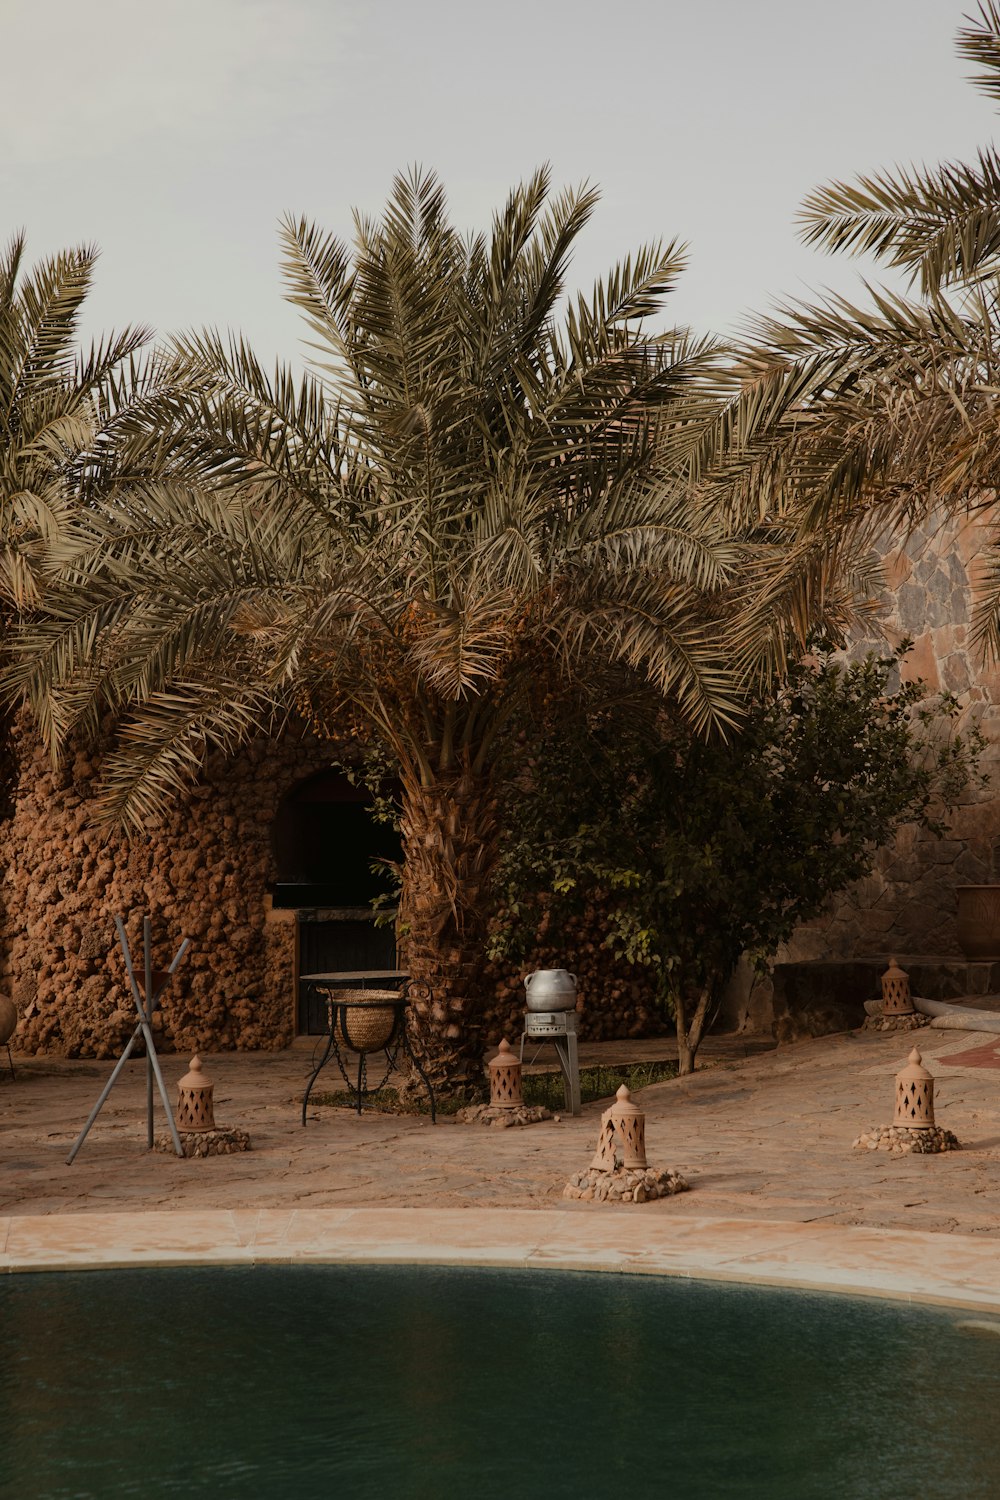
[550, 989]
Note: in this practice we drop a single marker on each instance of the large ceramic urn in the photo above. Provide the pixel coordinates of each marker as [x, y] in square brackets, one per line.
[550, 989]
[979, 920]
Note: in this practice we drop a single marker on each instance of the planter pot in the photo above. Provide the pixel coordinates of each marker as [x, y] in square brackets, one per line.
[979, 920]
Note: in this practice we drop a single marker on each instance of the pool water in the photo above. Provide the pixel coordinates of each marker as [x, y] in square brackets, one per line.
[431, 1384]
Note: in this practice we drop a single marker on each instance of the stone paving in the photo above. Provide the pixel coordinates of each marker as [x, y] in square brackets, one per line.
[763, 1139]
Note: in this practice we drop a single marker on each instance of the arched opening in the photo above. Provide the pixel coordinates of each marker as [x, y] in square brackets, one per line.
[326, 842]
[326, 847]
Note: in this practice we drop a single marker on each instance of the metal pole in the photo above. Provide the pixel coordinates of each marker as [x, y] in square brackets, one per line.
[569, 1063]
[104, 1094]
[154, 1060]
[147, 953]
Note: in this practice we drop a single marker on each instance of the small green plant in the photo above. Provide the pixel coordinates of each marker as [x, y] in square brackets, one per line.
[601, 1082]
[388, 1101]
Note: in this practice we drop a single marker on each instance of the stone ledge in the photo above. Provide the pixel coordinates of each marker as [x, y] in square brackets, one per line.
[816, 997]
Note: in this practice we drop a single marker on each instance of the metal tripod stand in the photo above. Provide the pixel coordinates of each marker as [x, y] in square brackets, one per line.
[146, 1000]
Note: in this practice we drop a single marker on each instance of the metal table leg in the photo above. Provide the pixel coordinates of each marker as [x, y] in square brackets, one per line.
[316, 1072]
[569, 1062]
[423, 1076]
[362, 1077]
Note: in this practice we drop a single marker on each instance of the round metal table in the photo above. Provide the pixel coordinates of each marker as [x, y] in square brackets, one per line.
[337, 1014]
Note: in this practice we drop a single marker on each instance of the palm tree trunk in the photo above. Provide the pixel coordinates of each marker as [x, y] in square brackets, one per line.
[8, 763]
[448, 839]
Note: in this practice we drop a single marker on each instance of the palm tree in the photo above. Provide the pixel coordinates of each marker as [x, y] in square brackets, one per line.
[473, 503]
[871, 414]
[941, 225]
[53, 402]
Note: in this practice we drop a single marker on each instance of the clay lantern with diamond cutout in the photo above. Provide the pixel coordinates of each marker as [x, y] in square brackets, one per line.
[896, 999]
[505, 1079]
[914, 1096]
[629, 1123]
[195, 1109]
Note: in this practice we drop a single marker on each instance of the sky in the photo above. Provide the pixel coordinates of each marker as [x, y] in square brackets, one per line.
[176, 134]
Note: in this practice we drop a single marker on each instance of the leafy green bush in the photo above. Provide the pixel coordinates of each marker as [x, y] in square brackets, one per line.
[707, 849]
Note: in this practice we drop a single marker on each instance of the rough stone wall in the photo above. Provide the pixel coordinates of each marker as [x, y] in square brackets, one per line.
[908, 903]
[616, 999]
[204, 872]
[907, 906]
[201, 873]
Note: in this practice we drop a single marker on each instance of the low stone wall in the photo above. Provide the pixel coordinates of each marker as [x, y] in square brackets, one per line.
[814, 999]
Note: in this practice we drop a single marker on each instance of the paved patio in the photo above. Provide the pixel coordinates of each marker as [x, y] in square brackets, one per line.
[764, 1140]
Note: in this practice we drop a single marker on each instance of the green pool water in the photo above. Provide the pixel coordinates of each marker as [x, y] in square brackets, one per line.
[466, 1385]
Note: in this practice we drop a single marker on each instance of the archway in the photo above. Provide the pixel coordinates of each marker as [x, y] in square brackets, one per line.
[326, 844]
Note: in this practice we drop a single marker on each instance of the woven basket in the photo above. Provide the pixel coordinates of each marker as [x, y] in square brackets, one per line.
[369, 1021]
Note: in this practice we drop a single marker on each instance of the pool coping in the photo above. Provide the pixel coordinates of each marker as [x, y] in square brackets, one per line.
[951, 1270]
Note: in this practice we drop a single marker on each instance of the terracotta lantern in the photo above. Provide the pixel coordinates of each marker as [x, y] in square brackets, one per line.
[604, 1158]
[630, 1124]
[505, 1079]
[195, 1110]
[914, 1095]
[896, 991]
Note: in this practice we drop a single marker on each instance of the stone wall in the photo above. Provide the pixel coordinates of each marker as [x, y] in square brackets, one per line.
[204, 872]
[206, 869]
[907, 905]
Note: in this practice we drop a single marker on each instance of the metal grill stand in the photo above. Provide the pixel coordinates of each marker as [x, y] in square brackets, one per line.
[559, 1028]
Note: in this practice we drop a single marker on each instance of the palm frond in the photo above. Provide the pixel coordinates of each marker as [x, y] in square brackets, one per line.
[979, 43]
[940, 224]
[160, 754]
[483, 485]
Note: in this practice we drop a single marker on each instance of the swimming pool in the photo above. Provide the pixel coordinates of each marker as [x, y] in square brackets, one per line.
[431, 1384]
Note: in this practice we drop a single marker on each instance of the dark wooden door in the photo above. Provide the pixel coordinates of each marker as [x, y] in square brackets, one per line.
[330, 947]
